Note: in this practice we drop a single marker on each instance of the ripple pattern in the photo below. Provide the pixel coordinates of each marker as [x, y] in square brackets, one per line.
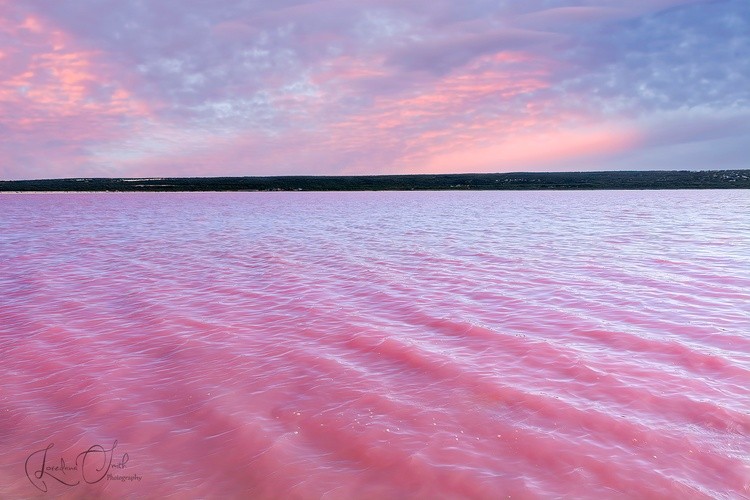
[378, 345]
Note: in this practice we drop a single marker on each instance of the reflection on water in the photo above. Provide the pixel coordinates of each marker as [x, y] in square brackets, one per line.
[376, 345]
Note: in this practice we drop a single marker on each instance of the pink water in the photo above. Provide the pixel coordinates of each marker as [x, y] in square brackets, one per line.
[375, 345]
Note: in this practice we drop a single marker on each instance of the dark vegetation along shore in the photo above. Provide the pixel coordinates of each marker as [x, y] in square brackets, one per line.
[711, 179]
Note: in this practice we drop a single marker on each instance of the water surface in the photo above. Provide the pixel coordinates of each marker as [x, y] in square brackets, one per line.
[375, 345]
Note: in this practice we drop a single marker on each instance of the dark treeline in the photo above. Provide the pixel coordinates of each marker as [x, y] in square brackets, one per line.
[711, 179]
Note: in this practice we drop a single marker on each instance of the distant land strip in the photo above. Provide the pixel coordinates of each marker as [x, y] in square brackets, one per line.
[649, 179]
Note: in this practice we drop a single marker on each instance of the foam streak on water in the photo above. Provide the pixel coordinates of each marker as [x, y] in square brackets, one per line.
[378, 345]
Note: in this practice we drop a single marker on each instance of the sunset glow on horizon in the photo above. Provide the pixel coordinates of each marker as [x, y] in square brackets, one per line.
[187, 88]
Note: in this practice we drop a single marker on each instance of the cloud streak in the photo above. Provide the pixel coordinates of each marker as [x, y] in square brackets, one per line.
[309, 87]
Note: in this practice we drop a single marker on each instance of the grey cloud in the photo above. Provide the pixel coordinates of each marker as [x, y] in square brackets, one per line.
[246, 65]
[683, 57]
[442, 55]
[571, 19]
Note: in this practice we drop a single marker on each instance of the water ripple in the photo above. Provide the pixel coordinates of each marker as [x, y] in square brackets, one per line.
[427, 345]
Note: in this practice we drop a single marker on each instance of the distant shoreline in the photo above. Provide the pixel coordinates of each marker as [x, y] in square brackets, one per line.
[519, 181]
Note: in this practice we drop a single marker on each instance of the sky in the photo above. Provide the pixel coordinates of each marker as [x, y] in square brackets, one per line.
[156, 88]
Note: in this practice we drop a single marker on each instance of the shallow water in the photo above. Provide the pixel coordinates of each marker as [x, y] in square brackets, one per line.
[375, 345]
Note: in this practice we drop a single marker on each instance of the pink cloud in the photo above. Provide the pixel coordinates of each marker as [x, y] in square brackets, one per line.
[552, 149]
[55, 98]
[188, 87]
[468, 121]
[398, 132]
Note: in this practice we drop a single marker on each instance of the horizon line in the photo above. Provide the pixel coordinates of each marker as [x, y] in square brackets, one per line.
[346, 176]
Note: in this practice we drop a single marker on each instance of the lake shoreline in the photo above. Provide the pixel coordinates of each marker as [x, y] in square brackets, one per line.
[523, 181]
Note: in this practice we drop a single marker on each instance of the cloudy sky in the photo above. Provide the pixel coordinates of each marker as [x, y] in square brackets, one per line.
[140, 88]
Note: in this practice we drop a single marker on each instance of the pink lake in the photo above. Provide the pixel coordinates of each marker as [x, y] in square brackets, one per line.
[375, 345]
